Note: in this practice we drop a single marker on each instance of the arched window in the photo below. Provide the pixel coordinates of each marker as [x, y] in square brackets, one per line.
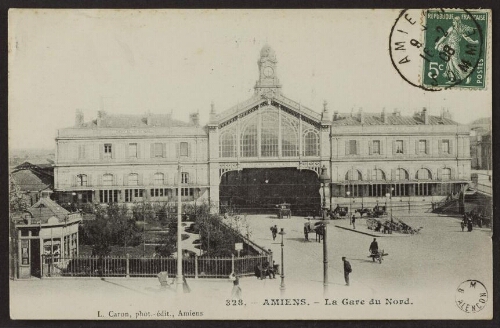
[378, 175]
[133, 179]
[423, 174]
[401, 174]
[353, 175]
[227, 145]
[311, 143]
[269, 135]
[107, 179]
[81, 180]
[289, 138]
[159, 179]
[446, 174]
[248, 140]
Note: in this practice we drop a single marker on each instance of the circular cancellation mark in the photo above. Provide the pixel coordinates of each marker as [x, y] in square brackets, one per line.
[471, 296]
[436, 49]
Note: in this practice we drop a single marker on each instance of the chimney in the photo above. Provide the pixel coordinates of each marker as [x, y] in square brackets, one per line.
[383, 116]
[212, 115]
[78, 118]
[425, 116]
[447, 114]
[100, 117]
[335, 115]
[325, 116]
[361, 117]
[194, 118]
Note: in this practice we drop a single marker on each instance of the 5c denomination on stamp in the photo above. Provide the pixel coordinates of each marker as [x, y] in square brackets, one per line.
[437, 49]
[471, 296]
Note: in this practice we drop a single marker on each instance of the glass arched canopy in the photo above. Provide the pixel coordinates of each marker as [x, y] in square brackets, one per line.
[269, 134]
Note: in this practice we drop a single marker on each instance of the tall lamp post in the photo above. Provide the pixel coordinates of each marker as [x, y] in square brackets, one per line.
[348, 193]
[282, 285]
[324, 178]
[179, 280]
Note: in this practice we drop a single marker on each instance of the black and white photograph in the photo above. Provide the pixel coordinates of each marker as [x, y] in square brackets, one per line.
[272, 164]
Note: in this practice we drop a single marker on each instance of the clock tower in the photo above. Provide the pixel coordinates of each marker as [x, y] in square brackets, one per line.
[268, 84]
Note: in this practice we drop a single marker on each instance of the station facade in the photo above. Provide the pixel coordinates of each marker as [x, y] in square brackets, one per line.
[264, 151]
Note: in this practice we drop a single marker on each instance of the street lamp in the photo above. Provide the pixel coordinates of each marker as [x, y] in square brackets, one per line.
[282, 285]
[348, 193]
[179, 280]
[324, 178]
[389, 195]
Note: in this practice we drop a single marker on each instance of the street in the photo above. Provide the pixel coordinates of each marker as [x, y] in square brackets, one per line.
[422, 270]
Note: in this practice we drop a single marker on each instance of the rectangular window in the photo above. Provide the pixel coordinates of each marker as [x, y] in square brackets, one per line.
[352, 147]
[108, 196]
[186, 192]
[376, 147]
[159, 192]
[82, 180]
[184, 177]
[132, 150]
[158, 150]
[445, 146]
[399, 146]
[108, 151]
[422, 146]
[81, 151]
[184, 149]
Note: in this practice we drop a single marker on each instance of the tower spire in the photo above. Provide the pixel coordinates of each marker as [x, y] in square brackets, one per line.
[268, 84]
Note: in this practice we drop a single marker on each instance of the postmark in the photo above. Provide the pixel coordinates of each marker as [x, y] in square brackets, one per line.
[471, 296]
[437, 49]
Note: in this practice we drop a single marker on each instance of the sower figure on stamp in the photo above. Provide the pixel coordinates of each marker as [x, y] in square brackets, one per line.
[450, 44]
[347, 270]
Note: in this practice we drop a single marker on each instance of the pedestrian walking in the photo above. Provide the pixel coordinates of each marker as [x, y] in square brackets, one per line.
[374, 246]
[347, 270]
[274, 231]
[353, 222]
[306, 233]
[236, 292]
[462, 224]
[469, 225]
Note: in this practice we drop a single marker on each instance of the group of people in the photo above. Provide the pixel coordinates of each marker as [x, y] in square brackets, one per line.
[267, 270]
[466, 222]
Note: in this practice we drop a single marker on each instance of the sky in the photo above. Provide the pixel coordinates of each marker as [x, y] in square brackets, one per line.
[179, 61]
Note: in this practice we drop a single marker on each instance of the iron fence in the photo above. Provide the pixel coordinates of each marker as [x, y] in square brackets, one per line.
[126, 266]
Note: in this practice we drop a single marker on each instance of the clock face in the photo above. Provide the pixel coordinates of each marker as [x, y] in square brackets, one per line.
[268, 71]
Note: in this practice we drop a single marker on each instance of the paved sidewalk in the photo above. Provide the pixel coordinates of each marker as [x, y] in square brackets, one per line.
[432, 263]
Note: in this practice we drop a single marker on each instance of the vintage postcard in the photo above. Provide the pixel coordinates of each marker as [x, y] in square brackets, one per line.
[250, 164]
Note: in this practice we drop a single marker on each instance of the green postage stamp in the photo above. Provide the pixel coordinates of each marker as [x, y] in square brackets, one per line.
[437, 49]
[457, 39]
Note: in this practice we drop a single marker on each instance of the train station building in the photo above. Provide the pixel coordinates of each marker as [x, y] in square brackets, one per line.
[264, 151]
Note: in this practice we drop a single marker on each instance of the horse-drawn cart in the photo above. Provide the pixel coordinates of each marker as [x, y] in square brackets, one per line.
[284, 211]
